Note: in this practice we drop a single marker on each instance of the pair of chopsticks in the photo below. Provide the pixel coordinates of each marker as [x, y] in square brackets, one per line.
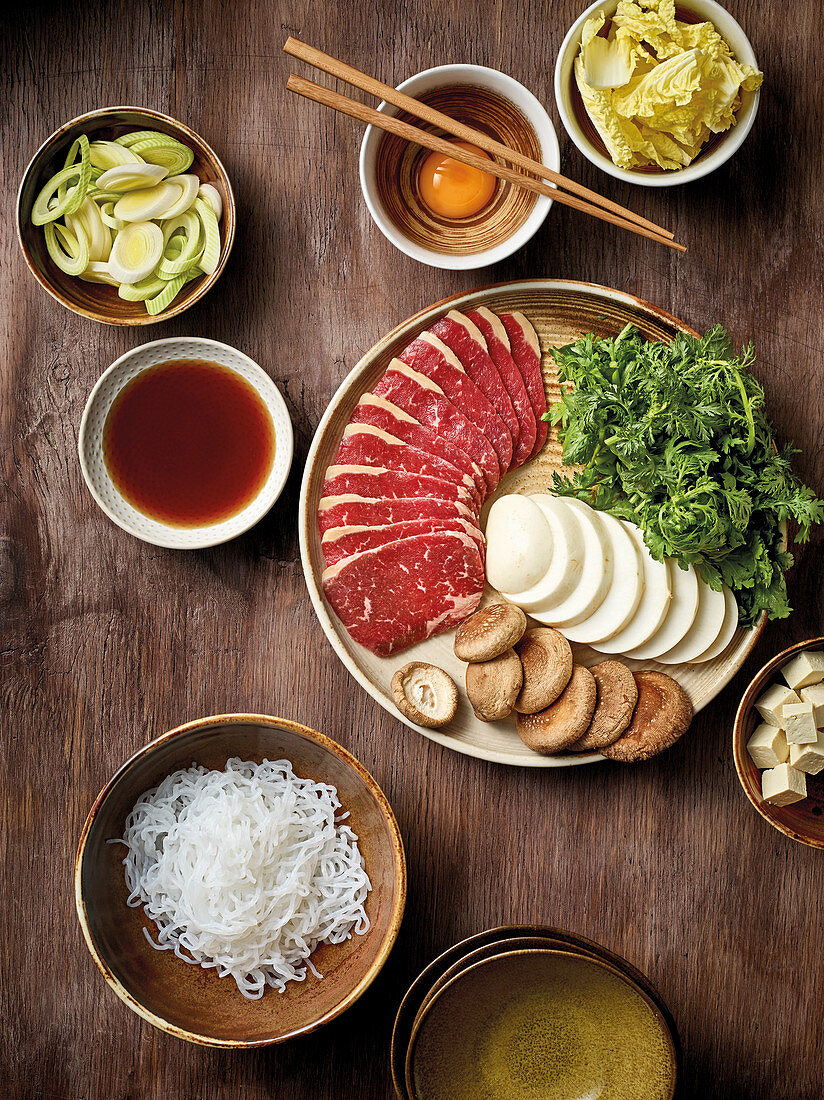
[565, 191]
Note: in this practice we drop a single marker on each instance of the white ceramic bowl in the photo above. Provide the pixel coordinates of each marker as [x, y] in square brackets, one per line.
[706, 10]
[90, 443]
[476, 76]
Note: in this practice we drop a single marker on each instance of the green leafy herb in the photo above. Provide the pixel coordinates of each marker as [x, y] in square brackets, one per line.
[675, 438]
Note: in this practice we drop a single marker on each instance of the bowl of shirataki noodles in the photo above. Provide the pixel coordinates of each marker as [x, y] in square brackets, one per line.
[240, 880]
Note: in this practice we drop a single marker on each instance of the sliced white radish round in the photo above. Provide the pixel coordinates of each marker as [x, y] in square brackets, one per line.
[654, 603]
[680, 615]
[210, 194]
[557, 580]
[624, 595]
[131, 177]
[98, 273]
[136, 252]
[709, 619]
[187, 187]
[147, 203]
[564, 573]
[596, 572]
[727, 630]
[519, 545]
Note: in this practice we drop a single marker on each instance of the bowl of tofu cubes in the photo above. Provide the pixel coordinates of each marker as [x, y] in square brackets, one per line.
[778, 742]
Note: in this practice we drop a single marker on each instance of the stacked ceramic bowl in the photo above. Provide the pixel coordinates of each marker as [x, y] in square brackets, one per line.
[525, 1011]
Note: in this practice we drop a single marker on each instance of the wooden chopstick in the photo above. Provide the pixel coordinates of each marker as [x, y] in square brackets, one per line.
[392, 125]
[331, 65]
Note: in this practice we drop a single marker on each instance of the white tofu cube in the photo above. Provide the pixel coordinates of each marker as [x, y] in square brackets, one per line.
[808, 758]
[770, 704]
[783, 785]
[798, 724]
[815, 695]
[805, 669]
[768, 746]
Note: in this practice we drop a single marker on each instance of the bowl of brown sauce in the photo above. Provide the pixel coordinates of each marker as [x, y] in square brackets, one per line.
[185, 442]
[444, 213]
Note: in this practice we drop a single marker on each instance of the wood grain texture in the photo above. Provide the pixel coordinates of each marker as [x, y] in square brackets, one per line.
[107, 641]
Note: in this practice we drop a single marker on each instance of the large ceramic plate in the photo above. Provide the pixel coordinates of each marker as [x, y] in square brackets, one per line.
[560, 311]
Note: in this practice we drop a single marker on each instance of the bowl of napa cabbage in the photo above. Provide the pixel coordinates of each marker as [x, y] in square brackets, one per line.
[712, 154]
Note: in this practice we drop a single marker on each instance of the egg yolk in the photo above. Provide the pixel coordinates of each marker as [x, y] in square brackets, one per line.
[452, 189]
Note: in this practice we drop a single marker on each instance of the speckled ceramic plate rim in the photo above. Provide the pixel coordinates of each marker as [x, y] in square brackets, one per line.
[602, 963]
[213, 534]
[399, 869]
[460, 301]
[230, 214]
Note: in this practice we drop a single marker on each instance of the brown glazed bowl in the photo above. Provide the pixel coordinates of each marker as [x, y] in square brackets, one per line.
[803, 821]
[495, 941]
[188, 1001]
[94, 300]
[463, 1019]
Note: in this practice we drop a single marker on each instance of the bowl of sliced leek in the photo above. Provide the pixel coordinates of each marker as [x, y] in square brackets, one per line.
[126, 216]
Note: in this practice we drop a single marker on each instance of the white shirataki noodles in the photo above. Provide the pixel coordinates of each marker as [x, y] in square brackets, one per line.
[246, 870]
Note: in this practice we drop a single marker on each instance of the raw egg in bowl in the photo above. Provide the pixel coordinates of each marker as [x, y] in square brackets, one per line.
[443, 212]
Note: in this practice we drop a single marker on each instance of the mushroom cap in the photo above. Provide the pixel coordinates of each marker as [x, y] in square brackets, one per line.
[662, 714]
[565, 721]
[425, 694]
[617, 696]
[493, 686]
[489, 632]
[546, 657]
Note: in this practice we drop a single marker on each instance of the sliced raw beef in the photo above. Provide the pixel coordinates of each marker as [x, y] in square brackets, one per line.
[364, 445]
[426, 402]
[349, 510]
[497, 342]
[463, 336]
[381, 413]
[400, 593]
[430, 356]
[526, 351]
[378, 481]
[343, 542]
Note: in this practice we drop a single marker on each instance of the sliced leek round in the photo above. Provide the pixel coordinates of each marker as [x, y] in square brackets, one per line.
[108, 154]
[130, 177]
[209, 193]
[139, 292]
[107, 214]
[165, 151]
[69, 251]
[187, 187]
[211, 236]
[88, 218]
[147, 203]
[136, 251]
[98, 273]
[140, 135]
[76, 174]
[170, 292]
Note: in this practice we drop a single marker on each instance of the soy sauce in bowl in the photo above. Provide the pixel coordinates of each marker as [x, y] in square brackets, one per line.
[189, 443]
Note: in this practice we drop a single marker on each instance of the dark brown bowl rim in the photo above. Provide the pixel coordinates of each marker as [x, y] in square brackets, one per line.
[503, 933]
[738, 747]
[399, 869]
[205, 284]
[602, 963]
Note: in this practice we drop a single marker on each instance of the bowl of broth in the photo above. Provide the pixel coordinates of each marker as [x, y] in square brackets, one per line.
[540, 1022]
[185, 442]
[440, 211]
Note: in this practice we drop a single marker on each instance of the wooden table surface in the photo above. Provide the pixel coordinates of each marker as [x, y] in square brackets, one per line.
[108, 641]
